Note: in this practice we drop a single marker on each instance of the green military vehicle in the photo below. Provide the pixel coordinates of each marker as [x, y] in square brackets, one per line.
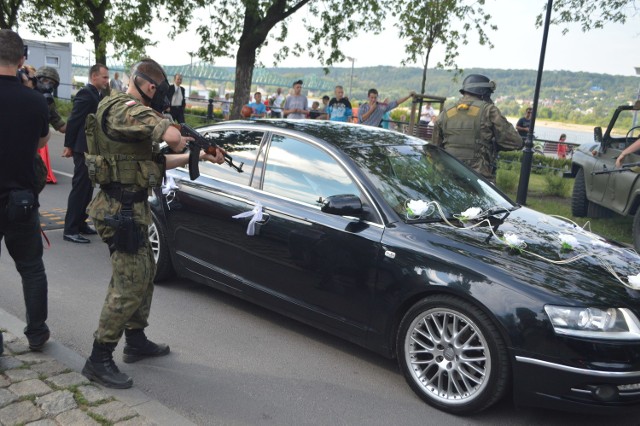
[599, 187]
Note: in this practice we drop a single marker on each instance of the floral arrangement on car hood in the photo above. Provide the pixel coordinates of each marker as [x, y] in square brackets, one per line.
[589, 245]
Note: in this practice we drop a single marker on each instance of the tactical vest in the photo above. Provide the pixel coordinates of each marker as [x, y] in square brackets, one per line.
[461, 130]
[118, 161]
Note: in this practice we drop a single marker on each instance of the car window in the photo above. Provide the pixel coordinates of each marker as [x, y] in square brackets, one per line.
[304, 172]
[625, 130]
[243, 146]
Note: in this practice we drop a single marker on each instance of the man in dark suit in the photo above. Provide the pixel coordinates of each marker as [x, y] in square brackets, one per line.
[75, 145]
[177, 98]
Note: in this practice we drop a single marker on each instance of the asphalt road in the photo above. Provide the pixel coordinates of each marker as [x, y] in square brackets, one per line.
[233, 363]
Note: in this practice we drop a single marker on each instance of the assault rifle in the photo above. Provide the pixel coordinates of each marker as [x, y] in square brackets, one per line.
[206, 144]
[625, 168]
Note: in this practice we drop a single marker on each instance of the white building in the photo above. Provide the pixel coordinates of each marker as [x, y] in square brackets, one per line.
[55, 55]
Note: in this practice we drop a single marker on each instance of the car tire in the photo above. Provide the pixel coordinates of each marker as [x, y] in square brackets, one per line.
[636, 230]
[452, 355]
[160, 248]
[579, 202]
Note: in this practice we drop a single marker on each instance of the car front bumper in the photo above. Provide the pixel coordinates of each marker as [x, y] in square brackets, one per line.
[558, 386]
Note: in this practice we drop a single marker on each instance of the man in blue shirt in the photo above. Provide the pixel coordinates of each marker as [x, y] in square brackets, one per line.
[259, 109]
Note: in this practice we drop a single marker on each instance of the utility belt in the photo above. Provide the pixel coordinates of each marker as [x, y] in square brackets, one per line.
[127, 237]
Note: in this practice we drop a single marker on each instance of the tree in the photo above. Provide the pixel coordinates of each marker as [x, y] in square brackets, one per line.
[591, 14]
[428, 23]
[327, 22]
[108, 22]
[9, 13]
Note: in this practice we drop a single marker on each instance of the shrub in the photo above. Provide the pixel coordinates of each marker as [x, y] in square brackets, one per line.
[507, 180]
[557, 185]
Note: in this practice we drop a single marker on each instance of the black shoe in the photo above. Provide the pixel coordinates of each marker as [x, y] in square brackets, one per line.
[76, 238]
[138, 347]
[101, 368]
[86, 229]
[36, 343]
[106, 373]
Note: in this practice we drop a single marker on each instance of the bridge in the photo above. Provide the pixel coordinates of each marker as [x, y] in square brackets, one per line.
[205, 72]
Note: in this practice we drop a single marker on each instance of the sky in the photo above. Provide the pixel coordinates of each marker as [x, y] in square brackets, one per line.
[612, 50]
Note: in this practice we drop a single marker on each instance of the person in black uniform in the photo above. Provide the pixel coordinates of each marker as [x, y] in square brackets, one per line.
[75, 145]
[24, 125]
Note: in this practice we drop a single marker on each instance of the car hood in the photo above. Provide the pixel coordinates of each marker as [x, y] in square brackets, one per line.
[585, 274]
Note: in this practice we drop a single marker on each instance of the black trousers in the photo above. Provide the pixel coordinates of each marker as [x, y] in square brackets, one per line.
[24, 243]
[79, 197]
[177, 112]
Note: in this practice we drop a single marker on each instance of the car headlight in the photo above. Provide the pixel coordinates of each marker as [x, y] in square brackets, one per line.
[595, 323]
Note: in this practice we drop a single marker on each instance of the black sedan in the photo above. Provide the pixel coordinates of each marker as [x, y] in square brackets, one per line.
[391, 243]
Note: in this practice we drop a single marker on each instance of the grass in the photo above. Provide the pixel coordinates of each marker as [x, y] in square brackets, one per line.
[617, 228]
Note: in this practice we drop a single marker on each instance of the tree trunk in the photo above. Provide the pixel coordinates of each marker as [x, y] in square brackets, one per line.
[9, 14]
[245, 62]
[424, 71]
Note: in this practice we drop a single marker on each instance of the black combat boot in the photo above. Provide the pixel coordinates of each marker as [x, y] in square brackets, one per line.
[101, 368]
[138, 347]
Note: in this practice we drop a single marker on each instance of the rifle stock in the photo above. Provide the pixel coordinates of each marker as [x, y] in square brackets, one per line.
[200, 142]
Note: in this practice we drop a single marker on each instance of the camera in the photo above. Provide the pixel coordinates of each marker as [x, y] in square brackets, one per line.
[23, 74]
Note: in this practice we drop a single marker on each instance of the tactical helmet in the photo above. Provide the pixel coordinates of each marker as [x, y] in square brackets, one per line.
[49, 72]
[478, 84]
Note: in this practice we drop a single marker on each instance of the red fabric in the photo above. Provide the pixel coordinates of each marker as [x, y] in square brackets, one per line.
[44, 153]
[562, 150]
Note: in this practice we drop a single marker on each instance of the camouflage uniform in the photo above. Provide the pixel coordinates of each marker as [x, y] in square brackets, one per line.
[493, 127]
[54, 117]
[131, 287]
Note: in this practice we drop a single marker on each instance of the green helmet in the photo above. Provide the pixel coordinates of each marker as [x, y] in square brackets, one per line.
[48, 72]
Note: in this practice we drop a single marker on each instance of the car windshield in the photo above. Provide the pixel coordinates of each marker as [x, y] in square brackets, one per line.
[406, 174]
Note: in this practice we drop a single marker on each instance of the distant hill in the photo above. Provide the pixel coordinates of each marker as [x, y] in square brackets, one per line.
[519, 84]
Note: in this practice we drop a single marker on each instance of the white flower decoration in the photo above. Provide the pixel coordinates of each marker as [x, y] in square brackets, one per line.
[417, 207]
[568, 242]
[514, 242]
[470, 213]
[634, 281]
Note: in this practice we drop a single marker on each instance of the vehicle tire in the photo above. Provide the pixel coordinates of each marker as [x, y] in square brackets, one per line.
[452, 355]
[579, 202]
[597, 211]
[636, 231]
[158, 241]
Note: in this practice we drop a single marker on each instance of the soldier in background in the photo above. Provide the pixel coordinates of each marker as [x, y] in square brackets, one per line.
[48, 81]
[126, 172]
[474, 129]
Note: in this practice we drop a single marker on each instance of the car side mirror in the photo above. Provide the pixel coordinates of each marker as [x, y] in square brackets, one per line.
[342, 205]
[597, 134]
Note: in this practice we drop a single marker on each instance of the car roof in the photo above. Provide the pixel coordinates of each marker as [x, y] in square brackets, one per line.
[341, 135]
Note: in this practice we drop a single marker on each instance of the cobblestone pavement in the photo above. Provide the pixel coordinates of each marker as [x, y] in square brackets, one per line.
[36, 389]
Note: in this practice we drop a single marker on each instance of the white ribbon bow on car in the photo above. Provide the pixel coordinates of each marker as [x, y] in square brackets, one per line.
[256, 216]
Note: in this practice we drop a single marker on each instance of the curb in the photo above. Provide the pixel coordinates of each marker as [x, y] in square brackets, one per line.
[146, 411]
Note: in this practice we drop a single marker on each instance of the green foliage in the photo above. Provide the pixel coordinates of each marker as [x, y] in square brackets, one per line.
[427, 23]
[590, 14]
[541, 164]
[507, 179]
[64, 106]
[557, 185]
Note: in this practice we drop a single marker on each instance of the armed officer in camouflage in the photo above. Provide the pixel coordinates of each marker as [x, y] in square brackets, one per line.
[474, 130]
[123, 157]
[48, 81]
